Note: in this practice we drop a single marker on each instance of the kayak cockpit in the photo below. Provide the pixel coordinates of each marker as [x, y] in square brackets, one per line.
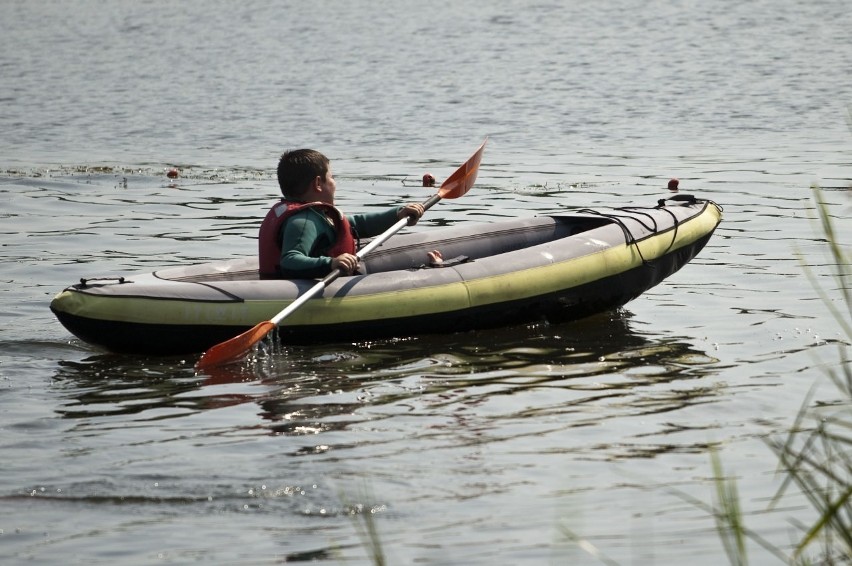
[408, 251]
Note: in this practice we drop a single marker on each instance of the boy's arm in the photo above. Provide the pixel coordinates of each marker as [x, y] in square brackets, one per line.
[301, 235]
[374, 223]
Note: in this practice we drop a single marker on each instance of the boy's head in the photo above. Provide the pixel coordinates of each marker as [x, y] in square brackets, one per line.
[298, 168]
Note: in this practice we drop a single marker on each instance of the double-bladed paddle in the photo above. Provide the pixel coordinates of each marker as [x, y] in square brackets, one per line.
[456, 185]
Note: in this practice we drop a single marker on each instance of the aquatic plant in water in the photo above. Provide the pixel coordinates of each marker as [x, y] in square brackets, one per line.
[818, 459]
[816, 453]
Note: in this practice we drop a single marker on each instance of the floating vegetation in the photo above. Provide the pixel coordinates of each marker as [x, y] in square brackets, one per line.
[190, 172]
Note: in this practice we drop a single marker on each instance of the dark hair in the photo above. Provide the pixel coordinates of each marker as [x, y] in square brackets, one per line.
[297, 168]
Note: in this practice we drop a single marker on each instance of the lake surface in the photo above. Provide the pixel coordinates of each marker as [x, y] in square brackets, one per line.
[498, 447]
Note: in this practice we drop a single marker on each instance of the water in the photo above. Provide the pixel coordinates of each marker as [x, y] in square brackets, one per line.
[478, 448]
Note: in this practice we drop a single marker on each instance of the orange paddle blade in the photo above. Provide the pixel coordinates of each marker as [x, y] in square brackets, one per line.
[463, 178]
[235, 348]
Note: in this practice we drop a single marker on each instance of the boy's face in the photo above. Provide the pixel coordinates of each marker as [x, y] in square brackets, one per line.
[328, 187]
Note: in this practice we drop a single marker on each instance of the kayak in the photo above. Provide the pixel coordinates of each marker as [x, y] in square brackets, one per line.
[556, 268]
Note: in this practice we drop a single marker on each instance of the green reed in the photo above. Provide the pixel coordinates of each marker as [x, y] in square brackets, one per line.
[818, 458]
[728, 515]
[816, 453]
[364, 521]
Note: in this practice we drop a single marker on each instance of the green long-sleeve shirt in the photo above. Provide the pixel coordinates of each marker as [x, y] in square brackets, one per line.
[309, 234]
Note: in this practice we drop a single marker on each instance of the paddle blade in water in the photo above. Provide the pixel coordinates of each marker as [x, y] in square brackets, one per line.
[462, 178]
[235, 348]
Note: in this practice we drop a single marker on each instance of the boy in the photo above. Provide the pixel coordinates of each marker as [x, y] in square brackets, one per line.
[304, 236]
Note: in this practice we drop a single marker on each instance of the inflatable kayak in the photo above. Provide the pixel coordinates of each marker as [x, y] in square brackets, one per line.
[556, 268]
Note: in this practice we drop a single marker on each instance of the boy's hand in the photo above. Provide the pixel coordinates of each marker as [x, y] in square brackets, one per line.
[413, 211]
[346, 263]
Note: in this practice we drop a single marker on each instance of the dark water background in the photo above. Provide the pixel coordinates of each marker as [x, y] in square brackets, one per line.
[479, 448]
